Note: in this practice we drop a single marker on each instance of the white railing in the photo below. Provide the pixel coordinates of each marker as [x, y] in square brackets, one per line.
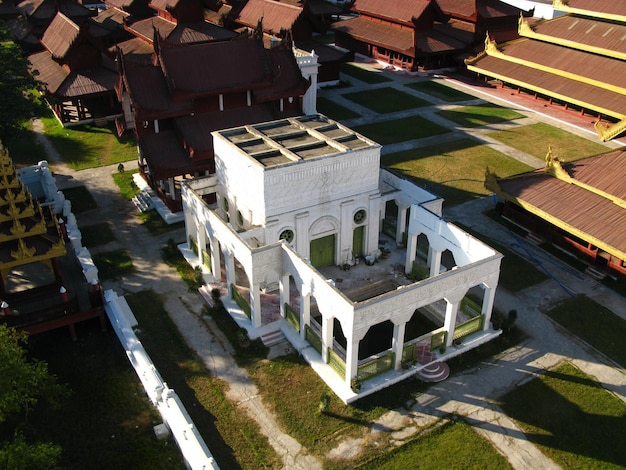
[193, 448]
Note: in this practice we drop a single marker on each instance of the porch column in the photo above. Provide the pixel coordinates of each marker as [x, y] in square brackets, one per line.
[411, 248]
[397, 343]
[305, 313]
[230, 270]
[352, 359]
[171, 188]
[327, 337]
[201, 237]
[434, 261]
[216, 259]
[255, 302]
[401, 223]
[283, 293]
[488, 300]
[452, 307]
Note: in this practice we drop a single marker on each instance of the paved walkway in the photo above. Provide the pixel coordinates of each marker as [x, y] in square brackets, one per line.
[470, 394]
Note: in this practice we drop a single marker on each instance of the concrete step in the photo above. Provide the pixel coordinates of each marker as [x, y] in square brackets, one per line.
[434, 372]
[143, 202]
[272, 338]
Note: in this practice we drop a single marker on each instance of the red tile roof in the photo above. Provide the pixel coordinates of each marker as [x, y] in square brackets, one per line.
[394, 10]
[276, 15]
[60, 36]
[474, 8]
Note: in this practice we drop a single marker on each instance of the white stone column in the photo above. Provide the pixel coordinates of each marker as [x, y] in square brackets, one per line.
[411, 247]
[172, 188]
[302, 244]
[256, 316]
[452, 307]
[346, 232]
[352, 359]
[327, 337]
[305, 313]
[401, 223]
[373, 225]
[488, 301]
[397, 343]
[434, 261]
[201, 237]
[283, 293]
[216, 259]
[231, 277]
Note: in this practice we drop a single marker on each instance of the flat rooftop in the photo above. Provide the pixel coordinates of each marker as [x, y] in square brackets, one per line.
[295, 139]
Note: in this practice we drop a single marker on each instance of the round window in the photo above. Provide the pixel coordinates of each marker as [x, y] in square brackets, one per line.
[360, 216]
[287, 235]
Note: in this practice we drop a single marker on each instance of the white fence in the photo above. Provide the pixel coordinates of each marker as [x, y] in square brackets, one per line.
[194, 450]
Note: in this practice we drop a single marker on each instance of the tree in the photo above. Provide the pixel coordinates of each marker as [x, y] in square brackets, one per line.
[23, 384]
[16, 82]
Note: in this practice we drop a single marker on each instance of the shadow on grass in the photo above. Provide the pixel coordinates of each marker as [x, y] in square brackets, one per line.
[572, 418]
[80, 198]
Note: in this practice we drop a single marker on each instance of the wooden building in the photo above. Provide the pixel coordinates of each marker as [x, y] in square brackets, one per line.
[186, 91]
[576, 61]
[77, 76]
[578, 206]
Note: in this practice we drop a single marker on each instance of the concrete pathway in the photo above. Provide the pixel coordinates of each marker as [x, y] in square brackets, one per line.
[472, 394]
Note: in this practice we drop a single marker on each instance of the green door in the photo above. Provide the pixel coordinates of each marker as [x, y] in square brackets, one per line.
[357, 240]
[323, 251]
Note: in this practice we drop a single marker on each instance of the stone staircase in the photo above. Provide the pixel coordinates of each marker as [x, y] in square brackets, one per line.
[434, 371]
[272, 338]
[143, 201]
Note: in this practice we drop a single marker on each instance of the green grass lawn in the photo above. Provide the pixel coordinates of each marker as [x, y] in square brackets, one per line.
[233, 438]
[452, 445]
[594, 324]
[97, 234]
[334, 110]
[454, 170]
[571, 418]
[113, 264]
[124, 180]
[535, 139]
[481, 115]
[107, 420]
[400, 130]
[441, 91]
[386, 100]
[80, 198]
[89, 146]
[366, 76]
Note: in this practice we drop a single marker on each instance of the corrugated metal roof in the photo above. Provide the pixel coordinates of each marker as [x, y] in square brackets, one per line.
[396, 39]
[88, 82]
[60, 36]
[276, 15]
[287, 79]
[596, 67]
[587, 31]
[216, 67]
[482, 8]
[617, 7]
[394, 10]
[49, 72]
[575, 206]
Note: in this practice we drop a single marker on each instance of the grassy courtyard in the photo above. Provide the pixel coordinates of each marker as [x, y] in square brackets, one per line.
[89, 146]
[334, 110]
[400, 130]
[479, 115]
[386, 100]
[363, 75]
[440, 91]
[454, 170]
[535, 139]
[571, 418]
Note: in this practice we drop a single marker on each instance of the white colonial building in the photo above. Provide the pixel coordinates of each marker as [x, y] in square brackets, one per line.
[302, 234]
